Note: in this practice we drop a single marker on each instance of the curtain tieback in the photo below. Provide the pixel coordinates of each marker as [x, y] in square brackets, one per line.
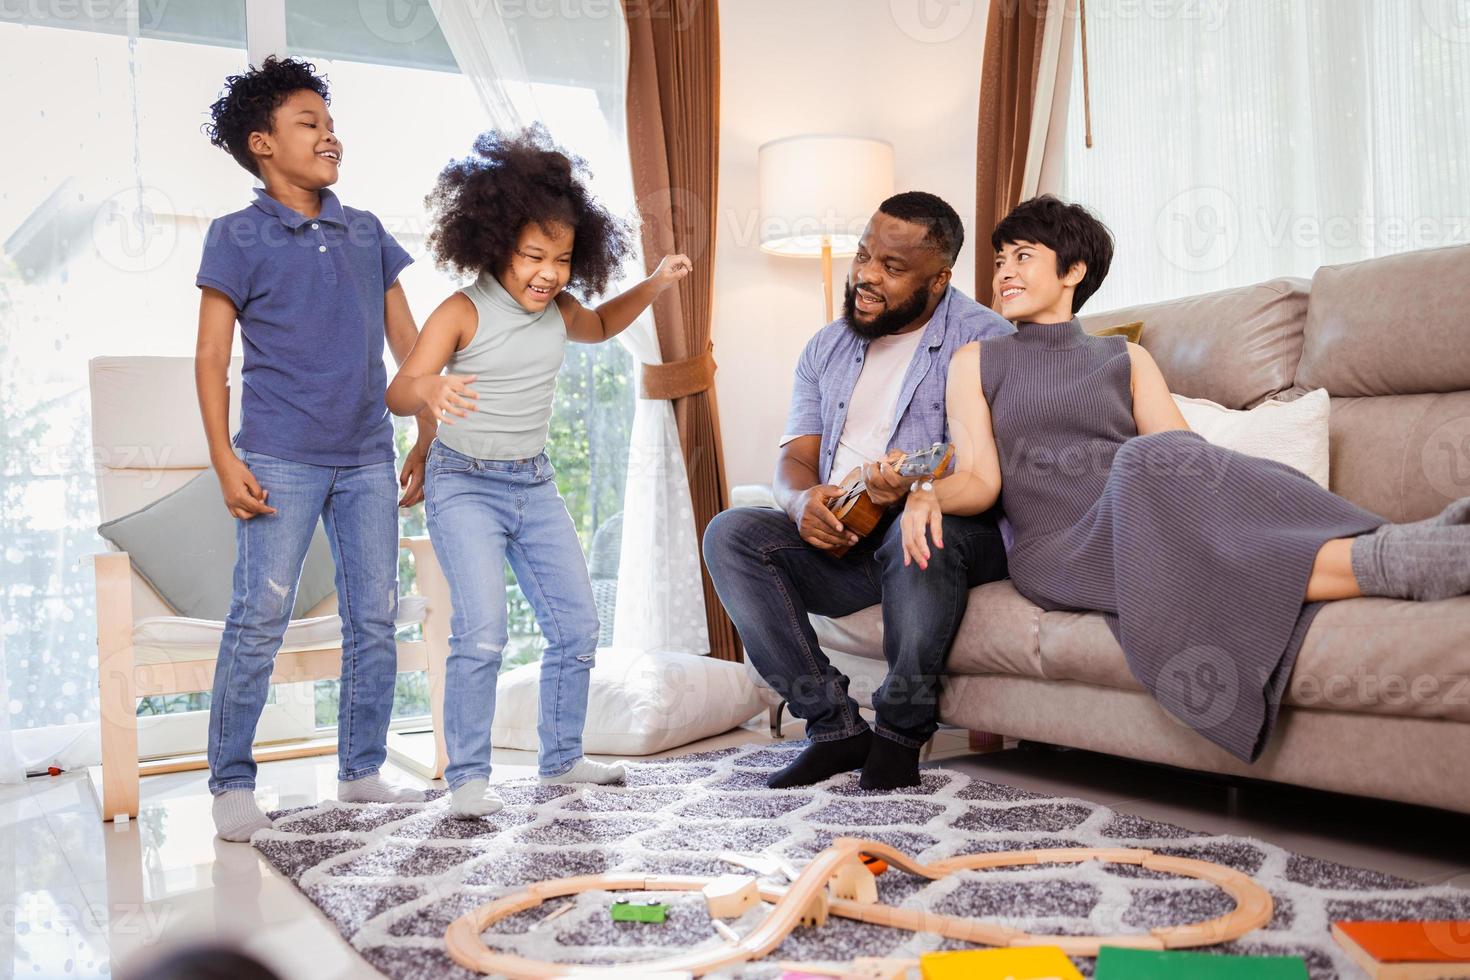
[679, 379]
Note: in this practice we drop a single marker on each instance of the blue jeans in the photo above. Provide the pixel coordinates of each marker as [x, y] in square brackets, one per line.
[481, 512]
[769, 579]
[359, 506]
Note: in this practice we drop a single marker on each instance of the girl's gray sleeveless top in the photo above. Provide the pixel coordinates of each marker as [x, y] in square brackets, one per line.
[515, 355]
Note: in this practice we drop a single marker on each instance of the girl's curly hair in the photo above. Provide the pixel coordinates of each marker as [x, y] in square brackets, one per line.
[250, 99]
[480, 204]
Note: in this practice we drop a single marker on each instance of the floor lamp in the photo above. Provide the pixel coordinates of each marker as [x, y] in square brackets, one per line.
[816, 194]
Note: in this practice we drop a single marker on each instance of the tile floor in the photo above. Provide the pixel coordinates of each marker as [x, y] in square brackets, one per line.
[87, 899]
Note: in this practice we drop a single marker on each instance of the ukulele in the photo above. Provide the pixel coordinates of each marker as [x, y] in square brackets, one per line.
[856, 510]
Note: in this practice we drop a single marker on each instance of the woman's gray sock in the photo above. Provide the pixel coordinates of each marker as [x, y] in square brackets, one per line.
[1423, 561]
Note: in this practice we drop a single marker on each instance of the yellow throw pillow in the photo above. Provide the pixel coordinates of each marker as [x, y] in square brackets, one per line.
[1132, 331]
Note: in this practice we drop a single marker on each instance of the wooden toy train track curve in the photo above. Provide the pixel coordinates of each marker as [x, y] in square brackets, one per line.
[829, 884]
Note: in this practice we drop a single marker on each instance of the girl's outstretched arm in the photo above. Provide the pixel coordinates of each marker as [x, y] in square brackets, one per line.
[612, 317]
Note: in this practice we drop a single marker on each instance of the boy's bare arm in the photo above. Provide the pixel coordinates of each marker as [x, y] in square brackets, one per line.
[244, 497]
[402, 333]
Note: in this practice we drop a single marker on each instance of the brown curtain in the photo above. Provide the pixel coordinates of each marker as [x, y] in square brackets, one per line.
[1013, 40]
[674, 145]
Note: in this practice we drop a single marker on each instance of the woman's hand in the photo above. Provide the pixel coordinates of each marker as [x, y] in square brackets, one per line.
[446, 395]
[670, 270]
[921, 517]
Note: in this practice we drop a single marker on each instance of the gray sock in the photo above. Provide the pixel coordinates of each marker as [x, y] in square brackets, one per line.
[1424, 560]
[237, 815]
[1458, 512]
[376, 788]
[472, 799]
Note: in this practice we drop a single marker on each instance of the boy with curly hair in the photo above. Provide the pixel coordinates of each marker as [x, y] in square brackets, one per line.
[516, 214]
[313, 285]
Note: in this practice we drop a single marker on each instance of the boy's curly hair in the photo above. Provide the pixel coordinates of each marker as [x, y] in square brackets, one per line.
[480, 204]
[250, 99]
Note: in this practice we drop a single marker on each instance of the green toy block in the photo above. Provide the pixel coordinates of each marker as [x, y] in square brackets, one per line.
[626, 910]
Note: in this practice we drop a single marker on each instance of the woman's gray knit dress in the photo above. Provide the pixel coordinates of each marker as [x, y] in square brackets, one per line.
[1198, 556]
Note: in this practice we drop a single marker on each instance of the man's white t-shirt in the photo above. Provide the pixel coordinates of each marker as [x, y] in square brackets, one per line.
[874, 403]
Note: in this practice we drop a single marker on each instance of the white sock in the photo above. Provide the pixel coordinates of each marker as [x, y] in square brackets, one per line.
[377, 789]
[587, 771]
[472, 799]
[237, 815]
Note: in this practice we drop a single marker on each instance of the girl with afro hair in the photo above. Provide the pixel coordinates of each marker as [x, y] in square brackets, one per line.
[515, 214]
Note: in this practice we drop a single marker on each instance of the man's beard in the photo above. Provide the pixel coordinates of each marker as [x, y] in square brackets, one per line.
[891, 320]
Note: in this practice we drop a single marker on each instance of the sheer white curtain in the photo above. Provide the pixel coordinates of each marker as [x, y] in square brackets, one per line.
[11, 770]
[1237, 142]
[660, 603]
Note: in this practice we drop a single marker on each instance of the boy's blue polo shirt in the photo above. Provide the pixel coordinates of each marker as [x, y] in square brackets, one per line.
[308, 293]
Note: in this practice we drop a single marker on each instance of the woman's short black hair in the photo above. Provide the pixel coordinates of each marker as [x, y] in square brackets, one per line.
[480, 204]
[250, 99]
[1070, 230]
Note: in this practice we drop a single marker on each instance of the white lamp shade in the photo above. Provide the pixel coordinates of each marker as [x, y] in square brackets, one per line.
[816, 189]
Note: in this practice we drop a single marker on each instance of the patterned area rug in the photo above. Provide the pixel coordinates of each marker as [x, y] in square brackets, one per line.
[392, 877]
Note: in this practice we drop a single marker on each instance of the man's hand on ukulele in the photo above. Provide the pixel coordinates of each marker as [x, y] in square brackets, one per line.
[818, 526]
[885, 486]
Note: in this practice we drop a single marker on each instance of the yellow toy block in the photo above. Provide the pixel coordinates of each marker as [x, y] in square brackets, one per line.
[1028, 963]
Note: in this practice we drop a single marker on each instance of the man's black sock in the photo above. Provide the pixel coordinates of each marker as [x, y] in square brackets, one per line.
[821, 760]
[889, 766]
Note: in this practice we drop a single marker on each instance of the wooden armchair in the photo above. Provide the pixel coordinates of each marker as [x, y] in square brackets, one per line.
[148, 441]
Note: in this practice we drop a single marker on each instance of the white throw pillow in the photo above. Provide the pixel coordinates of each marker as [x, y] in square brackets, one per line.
[639, 704]
[1294, 433]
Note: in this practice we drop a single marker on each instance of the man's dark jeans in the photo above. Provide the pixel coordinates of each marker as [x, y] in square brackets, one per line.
[769, 579]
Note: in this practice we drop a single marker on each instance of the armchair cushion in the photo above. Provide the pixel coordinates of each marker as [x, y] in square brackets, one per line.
[162, 639]
[183, 545]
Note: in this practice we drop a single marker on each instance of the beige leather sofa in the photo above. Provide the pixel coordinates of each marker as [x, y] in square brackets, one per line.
[1379, 702]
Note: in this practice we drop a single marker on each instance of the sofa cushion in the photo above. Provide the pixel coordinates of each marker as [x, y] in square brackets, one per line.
[1237, 347]
[1289, 432]
[996, 634]
[1384, 656]
[1403, 457]
[1389, 326]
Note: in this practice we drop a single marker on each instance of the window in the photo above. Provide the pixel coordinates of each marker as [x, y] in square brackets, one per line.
[109, 187]
[1235, 144]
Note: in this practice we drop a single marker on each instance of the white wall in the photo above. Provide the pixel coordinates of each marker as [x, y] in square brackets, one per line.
[906, 71]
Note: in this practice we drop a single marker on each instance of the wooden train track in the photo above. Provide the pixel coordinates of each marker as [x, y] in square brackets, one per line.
[836, 882]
